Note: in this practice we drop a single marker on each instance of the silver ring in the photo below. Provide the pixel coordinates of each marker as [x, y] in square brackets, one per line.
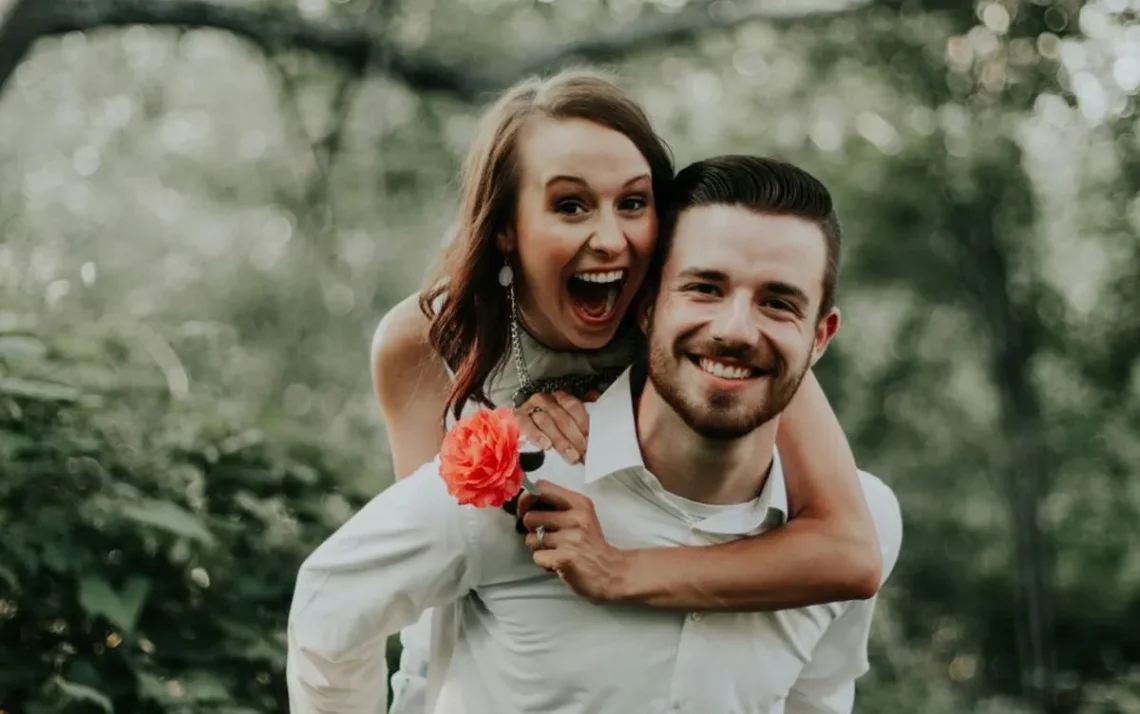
[539, 535]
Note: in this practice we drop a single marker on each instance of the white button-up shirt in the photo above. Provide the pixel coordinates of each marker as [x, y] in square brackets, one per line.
[510, 638]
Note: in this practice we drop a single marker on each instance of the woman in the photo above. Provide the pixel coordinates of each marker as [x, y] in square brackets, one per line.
[562, 193]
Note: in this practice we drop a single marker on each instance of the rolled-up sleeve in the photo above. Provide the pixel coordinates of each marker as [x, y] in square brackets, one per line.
[827, 683]
[411, 548]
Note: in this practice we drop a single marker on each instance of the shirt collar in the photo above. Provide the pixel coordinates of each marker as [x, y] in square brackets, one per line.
[613, 443]
[614, 448]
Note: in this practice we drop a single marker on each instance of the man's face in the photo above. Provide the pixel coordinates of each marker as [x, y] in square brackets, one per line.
[736, 323]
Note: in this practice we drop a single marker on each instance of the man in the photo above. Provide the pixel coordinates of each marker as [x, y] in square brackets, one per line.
[684, 454]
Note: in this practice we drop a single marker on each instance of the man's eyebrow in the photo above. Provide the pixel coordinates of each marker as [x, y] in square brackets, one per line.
[787, 290]
[712, 275]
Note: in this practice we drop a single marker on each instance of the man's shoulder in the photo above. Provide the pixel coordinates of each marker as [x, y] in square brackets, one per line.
[887, 516]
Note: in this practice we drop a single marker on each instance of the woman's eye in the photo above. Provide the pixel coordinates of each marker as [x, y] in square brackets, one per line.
[633, 203]
[570, 208]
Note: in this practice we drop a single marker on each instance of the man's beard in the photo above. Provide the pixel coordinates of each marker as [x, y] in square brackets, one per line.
[721, 415]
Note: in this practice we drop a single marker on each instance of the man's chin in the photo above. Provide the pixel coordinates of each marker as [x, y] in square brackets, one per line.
[722, 426]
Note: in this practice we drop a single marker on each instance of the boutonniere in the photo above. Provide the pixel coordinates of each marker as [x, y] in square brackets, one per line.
[482, 460]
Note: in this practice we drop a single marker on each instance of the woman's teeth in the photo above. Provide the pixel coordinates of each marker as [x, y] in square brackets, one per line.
[722, 370]
[610, 276]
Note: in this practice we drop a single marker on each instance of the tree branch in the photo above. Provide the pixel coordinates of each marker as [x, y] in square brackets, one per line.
[17, 35]
[695, 19]
[279, 27]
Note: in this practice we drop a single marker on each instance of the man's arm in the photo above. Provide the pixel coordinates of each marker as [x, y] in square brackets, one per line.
[408, 550]
[827, 683]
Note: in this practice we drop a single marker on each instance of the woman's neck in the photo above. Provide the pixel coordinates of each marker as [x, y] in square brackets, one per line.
[540, 330]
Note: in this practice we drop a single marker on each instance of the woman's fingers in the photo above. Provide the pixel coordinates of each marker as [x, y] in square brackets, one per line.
[577, 411]
[547, 422]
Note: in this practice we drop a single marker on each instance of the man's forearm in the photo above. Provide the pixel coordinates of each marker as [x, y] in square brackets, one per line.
[789, 567]
[318, 685]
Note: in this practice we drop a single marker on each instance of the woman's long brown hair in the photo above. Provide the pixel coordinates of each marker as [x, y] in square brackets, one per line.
[468, 309]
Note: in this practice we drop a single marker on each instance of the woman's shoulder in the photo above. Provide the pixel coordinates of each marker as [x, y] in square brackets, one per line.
[400, 345]
[403, 331]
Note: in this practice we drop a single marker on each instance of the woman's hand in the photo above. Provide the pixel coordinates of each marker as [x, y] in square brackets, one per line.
[556, 421]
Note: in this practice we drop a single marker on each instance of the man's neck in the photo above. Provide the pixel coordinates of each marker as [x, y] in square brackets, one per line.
[714, 471]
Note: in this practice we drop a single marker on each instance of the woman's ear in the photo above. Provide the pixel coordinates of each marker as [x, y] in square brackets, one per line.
[645, 314]
[506, 241]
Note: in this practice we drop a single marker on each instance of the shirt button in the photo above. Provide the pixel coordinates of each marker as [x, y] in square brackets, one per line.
[675, 704]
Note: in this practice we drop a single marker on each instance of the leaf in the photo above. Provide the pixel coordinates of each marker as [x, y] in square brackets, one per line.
[195, 686]
[531, 460]
[37, 389]
[169, 517]
[21, 346]
[123, 608]
[9, 577]
[152, 688]
[83, 693]
[205, 687]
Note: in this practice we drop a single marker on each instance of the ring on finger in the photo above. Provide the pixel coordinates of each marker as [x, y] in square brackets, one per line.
[534, 410]
[540, 536]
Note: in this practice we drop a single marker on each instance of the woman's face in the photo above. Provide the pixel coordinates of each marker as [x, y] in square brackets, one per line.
[584, 230]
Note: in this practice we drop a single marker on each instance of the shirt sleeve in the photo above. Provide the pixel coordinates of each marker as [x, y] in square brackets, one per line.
[827, 683]
[411, 548]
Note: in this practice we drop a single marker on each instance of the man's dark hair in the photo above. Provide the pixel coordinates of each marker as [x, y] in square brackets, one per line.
[759, 184]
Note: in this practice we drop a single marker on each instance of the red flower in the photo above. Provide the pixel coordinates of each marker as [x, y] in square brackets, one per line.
[479, 459]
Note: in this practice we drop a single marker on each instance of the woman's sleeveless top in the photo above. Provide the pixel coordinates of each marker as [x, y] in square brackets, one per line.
[576, 372]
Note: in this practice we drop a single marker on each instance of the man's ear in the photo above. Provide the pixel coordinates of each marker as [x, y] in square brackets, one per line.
[825, 329]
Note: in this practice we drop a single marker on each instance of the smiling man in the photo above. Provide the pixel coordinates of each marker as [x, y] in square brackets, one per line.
[682, 452]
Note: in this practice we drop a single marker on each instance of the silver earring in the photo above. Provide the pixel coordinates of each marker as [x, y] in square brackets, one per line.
[506, 275]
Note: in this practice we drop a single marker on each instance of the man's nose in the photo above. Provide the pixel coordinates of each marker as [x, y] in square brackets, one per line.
[735, 322]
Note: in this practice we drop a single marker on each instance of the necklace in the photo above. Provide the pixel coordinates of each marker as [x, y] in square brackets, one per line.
[577, 385]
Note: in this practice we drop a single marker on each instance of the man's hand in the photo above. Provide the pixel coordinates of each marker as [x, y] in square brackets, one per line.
[572, 543]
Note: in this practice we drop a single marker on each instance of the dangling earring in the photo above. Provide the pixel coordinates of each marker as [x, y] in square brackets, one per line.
[507, 280]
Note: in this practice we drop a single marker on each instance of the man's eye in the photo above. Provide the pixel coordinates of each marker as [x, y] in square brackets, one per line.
[782, 305]
[702, 288]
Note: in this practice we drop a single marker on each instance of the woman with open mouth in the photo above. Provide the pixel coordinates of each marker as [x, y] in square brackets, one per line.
[562, 195]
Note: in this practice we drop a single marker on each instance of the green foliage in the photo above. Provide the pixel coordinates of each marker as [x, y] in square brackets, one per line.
[208, 234]
[149, 547]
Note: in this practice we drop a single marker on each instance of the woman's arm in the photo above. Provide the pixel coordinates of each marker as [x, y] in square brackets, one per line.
[411, 384]
[827, 552]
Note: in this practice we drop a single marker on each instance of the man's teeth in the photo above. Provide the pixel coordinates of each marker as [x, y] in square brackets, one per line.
[611, 276]
[725, 371]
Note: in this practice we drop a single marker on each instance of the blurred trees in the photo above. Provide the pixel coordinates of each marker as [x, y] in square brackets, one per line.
[239, 189]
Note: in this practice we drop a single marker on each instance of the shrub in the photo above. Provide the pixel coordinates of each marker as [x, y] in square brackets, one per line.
[149, 546]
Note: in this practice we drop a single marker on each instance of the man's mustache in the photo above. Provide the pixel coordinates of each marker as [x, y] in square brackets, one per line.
[764, 360]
